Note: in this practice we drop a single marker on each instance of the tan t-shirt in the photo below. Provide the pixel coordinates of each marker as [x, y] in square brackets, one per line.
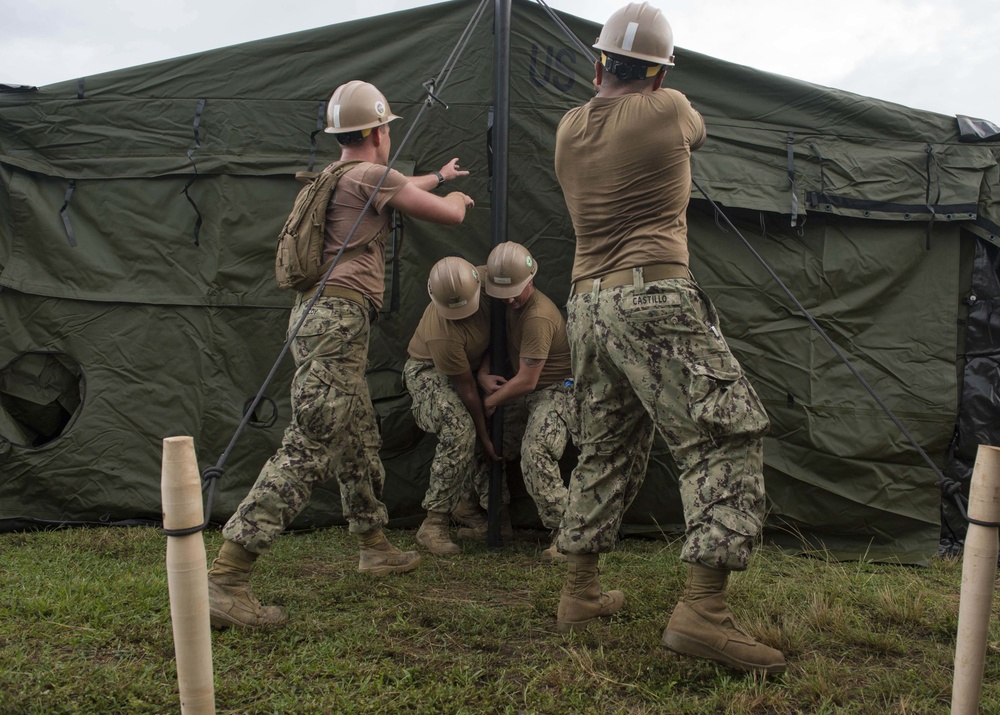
[624, 164]
[454, 346]
[366, 273]
[538, 330]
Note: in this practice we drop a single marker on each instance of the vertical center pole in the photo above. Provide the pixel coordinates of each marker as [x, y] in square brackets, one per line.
[498, 326]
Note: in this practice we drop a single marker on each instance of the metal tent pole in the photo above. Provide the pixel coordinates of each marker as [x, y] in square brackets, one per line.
[498, 337]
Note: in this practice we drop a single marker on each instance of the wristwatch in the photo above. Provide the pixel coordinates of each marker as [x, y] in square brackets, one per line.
[440, 177]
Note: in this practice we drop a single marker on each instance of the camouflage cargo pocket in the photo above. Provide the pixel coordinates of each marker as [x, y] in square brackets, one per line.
[720, 399]
[324, 395]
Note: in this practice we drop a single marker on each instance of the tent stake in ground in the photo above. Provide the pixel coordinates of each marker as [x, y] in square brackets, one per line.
[187, 576]
[979, 569]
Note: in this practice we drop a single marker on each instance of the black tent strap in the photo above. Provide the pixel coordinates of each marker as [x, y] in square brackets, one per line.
[190, 155]
[790, 143]
[993, 228]
[822, 173]
[198, 219]
[932, 168]
[817, 199]
[64, 213]
[320, 126]
[197, 123]
[80, 88]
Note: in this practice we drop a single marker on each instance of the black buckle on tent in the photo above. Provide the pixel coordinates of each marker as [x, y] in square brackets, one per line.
[429, 87]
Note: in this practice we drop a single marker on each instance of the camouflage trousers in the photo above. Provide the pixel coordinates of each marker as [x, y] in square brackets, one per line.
[542, 423]
[652, 354]
[459, 468]
[332, 433]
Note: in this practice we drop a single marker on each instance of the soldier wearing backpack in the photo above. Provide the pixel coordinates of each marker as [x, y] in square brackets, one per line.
[333, 432]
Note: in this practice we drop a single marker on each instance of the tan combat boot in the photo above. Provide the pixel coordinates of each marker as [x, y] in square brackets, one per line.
[468, 513]
[702, 626]
[552, 555]
[379, 557]
[476, 526]
[433, 535]
[231, 603]
[582, 599]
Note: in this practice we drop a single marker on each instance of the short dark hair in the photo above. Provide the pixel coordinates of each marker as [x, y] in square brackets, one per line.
[345, 138]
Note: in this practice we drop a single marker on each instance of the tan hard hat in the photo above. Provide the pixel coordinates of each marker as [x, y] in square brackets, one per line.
[508, 270]
[639, 31]
[453, 286]
[357, 105]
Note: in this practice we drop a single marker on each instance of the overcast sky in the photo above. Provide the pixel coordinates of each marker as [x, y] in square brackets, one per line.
[939, 55]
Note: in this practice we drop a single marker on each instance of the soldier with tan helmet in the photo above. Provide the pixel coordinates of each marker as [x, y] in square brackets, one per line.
[647, 349]
[542, 382]
[445, 351]
[333, 432]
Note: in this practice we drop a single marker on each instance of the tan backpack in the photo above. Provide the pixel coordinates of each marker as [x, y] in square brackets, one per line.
[298, 257]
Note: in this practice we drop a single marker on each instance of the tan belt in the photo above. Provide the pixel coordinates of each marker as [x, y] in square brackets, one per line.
[336, 292]
[615, 279]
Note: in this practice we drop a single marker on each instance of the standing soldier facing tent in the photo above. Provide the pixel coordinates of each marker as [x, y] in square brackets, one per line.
[333, 432]
[646, 347]
[542, 382]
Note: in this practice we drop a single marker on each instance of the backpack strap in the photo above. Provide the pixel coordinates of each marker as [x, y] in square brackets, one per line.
[355, 251]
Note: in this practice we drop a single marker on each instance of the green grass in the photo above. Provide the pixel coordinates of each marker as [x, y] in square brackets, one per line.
[85, 628]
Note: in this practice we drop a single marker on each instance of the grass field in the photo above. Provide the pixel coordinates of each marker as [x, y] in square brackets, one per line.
[85, 628]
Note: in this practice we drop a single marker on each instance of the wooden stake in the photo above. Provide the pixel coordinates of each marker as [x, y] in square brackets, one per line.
[187, 577]
[979, 569]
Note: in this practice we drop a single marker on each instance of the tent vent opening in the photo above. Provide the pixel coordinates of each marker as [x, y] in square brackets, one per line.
[40, 396]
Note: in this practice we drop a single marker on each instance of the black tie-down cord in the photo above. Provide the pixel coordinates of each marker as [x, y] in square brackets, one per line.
[433, 88]
[948, 486]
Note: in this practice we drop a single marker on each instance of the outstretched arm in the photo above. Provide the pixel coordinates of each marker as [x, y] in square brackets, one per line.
[415, 198]
[449, 209]
[449, 172]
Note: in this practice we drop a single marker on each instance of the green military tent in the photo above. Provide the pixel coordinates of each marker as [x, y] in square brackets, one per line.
[139, 209]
